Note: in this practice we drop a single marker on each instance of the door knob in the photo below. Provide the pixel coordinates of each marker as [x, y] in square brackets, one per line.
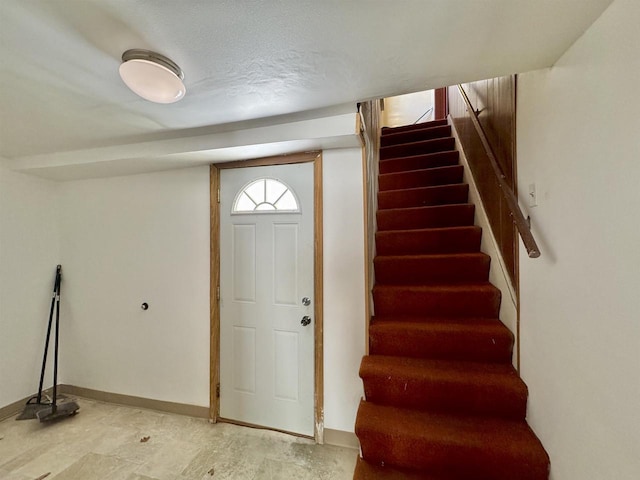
[306, 320]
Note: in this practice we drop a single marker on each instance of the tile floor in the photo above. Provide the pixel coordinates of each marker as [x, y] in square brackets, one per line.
[102, 442]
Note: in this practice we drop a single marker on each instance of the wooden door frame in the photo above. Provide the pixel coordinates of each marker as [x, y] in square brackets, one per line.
[214, 183]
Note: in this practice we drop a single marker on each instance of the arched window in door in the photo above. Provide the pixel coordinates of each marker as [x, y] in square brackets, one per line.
[265, 195]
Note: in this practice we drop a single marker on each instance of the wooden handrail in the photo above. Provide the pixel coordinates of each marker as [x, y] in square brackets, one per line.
[512, 202]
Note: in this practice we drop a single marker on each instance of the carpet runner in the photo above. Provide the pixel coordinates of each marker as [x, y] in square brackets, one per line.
[442, 399]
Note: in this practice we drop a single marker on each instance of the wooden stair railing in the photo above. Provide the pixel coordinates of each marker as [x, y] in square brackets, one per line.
[521, 223]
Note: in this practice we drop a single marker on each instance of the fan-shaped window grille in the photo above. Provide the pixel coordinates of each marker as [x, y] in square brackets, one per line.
[266, 195]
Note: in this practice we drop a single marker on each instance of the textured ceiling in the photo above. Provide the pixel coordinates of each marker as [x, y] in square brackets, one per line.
[246, 60]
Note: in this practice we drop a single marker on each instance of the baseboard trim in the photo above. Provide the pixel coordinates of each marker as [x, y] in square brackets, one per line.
[340, 438]
[13, 408]
[138, 402]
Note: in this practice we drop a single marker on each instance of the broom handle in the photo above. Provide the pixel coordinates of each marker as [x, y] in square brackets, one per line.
[46, 343]
[55, 358]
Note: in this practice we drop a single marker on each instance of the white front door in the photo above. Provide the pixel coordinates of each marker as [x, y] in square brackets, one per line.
[267, 296]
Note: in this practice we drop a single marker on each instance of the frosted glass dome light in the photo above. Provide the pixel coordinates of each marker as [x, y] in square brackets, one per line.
[152, 76]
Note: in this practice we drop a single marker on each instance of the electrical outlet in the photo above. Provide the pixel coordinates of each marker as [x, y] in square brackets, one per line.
[533, 199]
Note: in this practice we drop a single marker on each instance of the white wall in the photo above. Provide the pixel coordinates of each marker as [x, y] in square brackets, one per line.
[344, 286]
[29, 253]
[579, 142]
[409, 108]
[129, 240]
[145, 238]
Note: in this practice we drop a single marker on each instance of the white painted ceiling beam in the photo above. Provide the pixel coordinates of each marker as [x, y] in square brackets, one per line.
[338, 131]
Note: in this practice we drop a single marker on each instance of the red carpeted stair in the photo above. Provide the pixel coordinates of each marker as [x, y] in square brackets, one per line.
[442, 400]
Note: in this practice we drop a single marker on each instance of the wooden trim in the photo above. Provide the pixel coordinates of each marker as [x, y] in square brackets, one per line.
[340, 438]
[214, 304]
[440, 99]
[319, 302]
[516, 250]
[137, 402]
[316, 158]
[302, 157]
[260, 427]
[367, 250]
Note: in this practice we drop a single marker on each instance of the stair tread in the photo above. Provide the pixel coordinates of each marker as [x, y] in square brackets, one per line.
[442, 287]
[429, 207]
[442, 239]
[431, 268]
[454, 229]
[426, 216]
[419, 170]
[459, 299]
[430, 256]
[416, 143]
[435, 323]
[421, 155]
[367, 471]
[421, 177]
[408, 136]
[424, 160]
[451, 194]
[468, 388]
[426, 188]
[445, 440]
[389, 133]
[432, 145]
[452, 429]
[425, 368]
[455, 338]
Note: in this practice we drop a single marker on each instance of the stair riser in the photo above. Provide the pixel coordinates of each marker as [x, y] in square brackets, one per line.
[459, 240]
[497, 400]
[422, 197]
[417, 148]
[367, 471]
[418, 162]
[473, 347]
[454, 303]
[412, 271]
[412, 136]
[421, 178]
[417, 126]
[429, 217]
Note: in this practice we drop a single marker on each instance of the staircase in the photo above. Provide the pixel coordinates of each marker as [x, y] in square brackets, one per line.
[443, 401]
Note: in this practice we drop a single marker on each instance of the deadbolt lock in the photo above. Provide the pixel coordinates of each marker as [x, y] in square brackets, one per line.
[306, 301]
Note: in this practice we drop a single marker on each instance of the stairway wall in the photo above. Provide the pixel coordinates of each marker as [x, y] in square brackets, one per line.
[498, 273]
[578, 141]
[495, 101]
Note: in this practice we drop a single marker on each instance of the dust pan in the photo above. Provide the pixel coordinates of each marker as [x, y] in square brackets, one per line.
[56, 411]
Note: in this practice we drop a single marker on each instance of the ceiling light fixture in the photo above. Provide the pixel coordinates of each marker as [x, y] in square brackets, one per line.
[152, 76]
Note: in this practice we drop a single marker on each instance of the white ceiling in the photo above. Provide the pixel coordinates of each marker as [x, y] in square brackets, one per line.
[248, 65]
